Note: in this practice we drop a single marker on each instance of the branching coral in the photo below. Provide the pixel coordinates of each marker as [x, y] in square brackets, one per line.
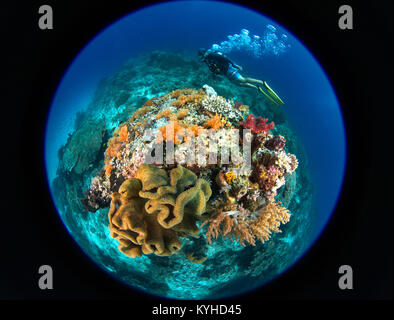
[217, 104]
[257, 125]
[247, 228]
[269, 220]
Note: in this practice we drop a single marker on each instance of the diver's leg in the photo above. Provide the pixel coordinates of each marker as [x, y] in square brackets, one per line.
[241, 81]
[252, 80]
[245, 84]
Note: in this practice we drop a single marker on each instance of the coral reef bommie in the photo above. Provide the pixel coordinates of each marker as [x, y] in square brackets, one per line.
[188, 160]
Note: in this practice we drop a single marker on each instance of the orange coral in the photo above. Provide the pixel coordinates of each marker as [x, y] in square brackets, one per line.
[175, 93]
[215, 122]
[123, 133]
[114, 148]
[182, 113]
[165, 113]
[184, 99]
[195, 129]
[177, 131]
[150, 102]
[108, 169]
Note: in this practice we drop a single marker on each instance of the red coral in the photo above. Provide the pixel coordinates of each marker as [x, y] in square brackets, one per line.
[257, 125]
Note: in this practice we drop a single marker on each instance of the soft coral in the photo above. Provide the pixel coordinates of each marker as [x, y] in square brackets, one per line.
[257, 125]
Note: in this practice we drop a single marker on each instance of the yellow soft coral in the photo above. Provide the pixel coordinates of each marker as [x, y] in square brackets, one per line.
[230, 176]
[137, 231]
[179, 203]
[151, 176]
[149, 212]
[269, 220]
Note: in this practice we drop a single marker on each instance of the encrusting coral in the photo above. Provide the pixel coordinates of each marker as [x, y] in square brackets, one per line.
[165, 199]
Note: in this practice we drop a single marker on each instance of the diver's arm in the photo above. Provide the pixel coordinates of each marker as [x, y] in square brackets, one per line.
[238, 67]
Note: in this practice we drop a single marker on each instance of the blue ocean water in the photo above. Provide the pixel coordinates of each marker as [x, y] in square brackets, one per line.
[311, 106]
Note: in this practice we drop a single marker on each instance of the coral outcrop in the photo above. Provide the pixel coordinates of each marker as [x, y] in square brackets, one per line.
[183, 158]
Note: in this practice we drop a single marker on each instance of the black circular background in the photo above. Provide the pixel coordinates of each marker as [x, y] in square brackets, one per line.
[359, 233]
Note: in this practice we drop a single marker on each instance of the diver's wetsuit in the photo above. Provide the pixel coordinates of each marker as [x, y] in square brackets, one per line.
[219, 64]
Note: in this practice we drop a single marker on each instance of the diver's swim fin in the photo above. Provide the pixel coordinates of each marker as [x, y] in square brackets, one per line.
[269, 98]
[271, 95]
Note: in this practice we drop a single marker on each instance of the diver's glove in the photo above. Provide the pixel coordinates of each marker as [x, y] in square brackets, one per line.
[270, 94]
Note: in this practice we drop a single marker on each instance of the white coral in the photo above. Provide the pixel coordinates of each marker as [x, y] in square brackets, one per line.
[209, 91]
[286, 162]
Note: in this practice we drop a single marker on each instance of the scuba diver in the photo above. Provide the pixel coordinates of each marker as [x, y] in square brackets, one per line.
[218, 63]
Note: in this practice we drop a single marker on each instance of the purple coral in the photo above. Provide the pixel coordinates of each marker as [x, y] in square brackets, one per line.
[276, 143]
